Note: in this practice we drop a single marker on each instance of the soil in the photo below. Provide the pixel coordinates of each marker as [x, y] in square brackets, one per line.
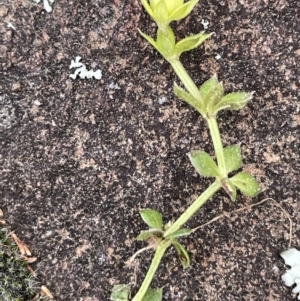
[80, 158]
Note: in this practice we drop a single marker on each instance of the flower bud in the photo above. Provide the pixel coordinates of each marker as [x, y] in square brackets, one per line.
[164, 12]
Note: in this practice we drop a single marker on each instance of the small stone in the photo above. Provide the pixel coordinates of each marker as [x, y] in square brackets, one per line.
[10, 25]
[36, 103]
[3, 50]
[16, 86]
[3, 11]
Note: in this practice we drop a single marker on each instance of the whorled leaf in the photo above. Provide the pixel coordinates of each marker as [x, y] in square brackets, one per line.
[204, 164]
[191, 42]
[182, 253]
[188, 98]
[233, 158]
[164, 12]
[153, 295]
[153, 2]
[212, 92]
[181, 232]
[208, 85]
[213, 97]
[152, 218]
[120, 292]
[144, 235]
[160, 12]
[233, 101]
[246, 183]
[182, 11]
[149, 39]
[173, 5]
[147, 7]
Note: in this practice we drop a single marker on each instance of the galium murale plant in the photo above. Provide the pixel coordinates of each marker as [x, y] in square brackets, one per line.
[208, 100]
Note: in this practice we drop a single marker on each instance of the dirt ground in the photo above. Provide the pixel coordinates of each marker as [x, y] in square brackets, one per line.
[79, 158]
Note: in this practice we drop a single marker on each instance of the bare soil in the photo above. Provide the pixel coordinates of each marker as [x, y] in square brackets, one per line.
[79, 158]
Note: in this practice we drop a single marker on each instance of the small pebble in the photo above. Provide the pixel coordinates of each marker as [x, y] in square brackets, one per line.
[37, 103]
[16, 86]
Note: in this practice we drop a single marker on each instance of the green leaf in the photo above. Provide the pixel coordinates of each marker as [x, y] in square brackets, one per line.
[144, 235]
[181, 232]
[191, 42]
[187, 97]
[166, 43]
[153, 2]
[173, 5]
[233, 158]
[149, 39]
[246, 183]
[204, 164]
[208, 85]
[153, 295]
[233, 101]
[147, 7]
[152, 218]
[160, 12]
[212, 91]
[120, 292]
[183, 254]
[229, 188]
[182, 11]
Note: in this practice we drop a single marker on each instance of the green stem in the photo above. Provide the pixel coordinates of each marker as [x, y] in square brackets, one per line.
[211, 120]
[186, 80]
[159, 253]
[203, 198]
[217, 142]
[196, 205]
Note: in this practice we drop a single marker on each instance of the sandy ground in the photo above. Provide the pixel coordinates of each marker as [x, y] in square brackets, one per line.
[79, 158]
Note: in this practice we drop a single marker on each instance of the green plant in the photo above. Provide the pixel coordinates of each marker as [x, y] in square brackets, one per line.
[209, 99]
[16, 281]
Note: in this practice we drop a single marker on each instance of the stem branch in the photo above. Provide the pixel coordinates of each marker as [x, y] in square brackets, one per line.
[211, 120]
[194, 207]
[159, 253]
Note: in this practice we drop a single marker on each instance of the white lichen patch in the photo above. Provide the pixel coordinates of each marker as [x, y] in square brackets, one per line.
[114, 86]
[205, 23]
[81, 70]
[47, 4]
[291, 258]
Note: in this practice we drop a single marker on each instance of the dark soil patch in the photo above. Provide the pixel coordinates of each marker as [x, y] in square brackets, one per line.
[80, 158]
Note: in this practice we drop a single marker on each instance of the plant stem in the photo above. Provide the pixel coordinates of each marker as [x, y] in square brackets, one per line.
[159, 253]
[186, 80]
[196, 205]
[217, 142]
[211, 120]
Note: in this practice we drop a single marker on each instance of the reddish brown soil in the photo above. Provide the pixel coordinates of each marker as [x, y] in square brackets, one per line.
[79, 159]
